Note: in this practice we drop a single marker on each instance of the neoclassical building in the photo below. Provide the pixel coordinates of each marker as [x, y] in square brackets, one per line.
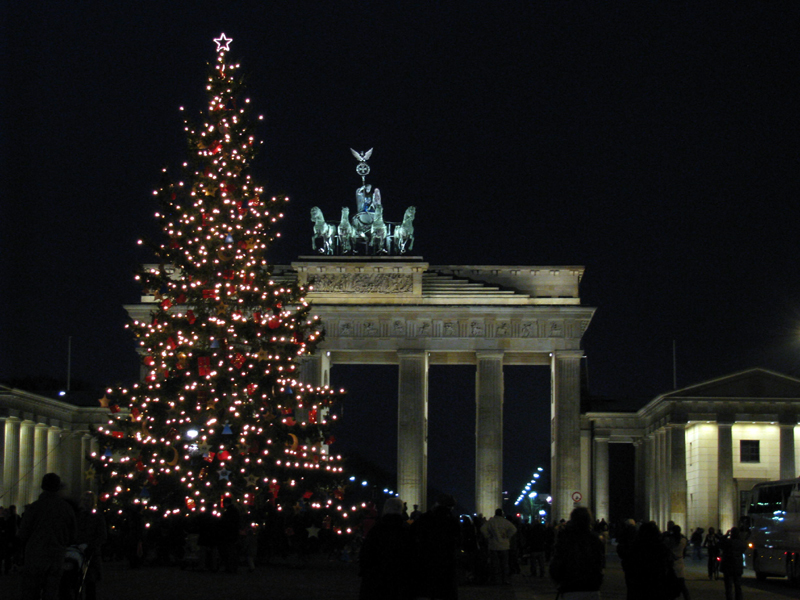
[698, 449]
[40, 435]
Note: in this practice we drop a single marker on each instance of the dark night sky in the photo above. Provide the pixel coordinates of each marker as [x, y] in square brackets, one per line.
[654, 143]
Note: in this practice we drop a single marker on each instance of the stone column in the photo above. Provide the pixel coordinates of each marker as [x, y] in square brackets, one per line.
[565, 378]
[25, 490]
[315, 369]
[412, 427]
[788, 467]
[661, 477]
[489, 432]
[69, 463]
[639, 483]
[53, 442]
[39, 454]
[650, 482]
[677, 475]
[3, 501]
[601, 478]
[725, 489]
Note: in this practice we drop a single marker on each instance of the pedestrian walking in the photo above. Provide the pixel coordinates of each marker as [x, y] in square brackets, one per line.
[677, 543]
[711, 543]
[732, 567]
[697, 543]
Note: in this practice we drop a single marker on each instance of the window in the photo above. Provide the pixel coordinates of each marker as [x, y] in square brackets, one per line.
[749, 451]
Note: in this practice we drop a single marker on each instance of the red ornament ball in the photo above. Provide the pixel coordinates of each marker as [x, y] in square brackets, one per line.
[274, 323]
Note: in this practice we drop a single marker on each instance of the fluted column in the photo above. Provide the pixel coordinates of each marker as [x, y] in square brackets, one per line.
[25, 463]
[314, 369]
[489, 432]
[69, 463]
[412, 427]
[2, 460]
[565, 367]
[601, 478]
[39, 454]
[661, 477]
[53, 442]
[677, 483]
[725, 487]
[639, 490]
[650, 482]
[788, 467]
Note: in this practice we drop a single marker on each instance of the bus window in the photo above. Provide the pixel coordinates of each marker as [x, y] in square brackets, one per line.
[772, 499]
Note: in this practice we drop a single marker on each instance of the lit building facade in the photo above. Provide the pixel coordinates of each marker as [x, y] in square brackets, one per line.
[699, 449]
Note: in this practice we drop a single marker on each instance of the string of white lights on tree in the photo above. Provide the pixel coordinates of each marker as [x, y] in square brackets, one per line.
[221, 411]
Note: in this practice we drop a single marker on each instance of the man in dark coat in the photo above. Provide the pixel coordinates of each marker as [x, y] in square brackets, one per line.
[579, 558]
[647, 563]
[48, 526]
[437, 536]
[385, 561]
[733, 549]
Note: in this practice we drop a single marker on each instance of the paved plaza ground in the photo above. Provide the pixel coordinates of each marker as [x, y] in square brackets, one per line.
[322, 580]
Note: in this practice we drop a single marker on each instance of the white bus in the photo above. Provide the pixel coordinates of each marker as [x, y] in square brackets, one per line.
[774, 519]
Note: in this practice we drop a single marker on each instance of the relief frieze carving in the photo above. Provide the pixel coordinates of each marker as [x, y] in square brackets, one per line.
[399, 328]
[477, 329]
[394, 327]
[556, 329]
[364, 283]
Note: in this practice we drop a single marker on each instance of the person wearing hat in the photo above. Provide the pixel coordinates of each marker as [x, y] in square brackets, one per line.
[48, 526]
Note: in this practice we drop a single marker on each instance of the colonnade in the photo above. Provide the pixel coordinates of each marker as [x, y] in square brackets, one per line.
[412, 423]
[39, 435]
[661, 475]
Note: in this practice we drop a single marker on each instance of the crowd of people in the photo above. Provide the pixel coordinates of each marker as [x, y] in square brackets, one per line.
[400, 555]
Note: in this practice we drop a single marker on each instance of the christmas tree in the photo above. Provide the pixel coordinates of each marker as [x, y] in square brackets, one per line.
[221, 411]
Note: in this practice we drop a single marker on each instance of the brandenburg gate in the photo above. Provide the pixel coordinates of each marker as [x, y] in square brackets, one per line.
[400, 310]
